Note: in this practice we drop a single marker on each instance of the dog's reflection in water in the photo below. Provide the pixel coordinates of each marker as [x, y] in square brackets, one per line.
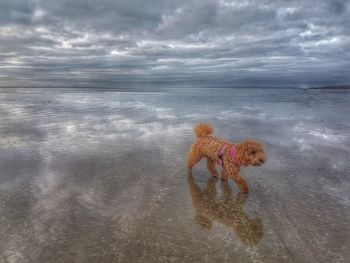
[225, 209]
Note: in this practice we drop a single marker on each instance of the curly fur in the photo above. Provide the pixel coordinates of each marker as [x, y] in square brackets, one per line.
[248, 153]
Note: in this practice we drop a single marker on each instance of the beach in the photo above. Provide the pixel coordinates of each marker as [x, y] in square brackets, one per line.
[99, 175]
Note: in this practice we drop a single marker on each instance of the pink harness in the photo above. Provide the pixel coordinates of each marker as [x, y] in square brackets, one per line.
[233, 153]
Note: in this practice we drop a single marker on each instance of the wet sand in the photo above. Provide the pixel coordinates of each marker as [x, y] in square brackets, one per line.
[100, 176]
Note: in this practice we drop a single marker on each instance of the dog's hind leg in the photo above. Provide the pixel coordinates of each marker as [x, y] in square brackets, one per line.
[194, 156]
[211, 167]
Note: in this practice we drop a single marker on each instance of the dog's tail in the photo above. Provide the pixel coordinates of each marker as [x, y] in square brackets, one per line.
[203, 129]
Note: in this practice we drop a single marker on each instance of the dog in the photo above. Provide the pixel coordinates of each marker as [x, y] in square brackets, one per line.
[225, 209]
[228, 155]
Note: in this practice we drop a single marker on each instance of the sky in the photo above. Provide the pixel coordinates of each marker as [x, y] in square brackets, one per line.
[120, 43]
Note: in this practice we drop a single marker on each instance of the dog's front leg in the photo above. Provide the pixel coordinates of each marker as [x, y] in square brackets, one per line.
[224, 175]
[242, 184]
[233, 172]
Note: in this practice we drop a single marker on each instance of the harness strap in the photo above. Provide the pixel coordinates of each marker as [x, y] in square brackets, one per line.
[220, 161]
[233, 152]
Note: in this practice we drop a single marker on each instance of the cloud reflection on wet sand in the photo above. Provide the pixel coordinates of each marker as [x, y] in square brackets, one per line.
[99, 176]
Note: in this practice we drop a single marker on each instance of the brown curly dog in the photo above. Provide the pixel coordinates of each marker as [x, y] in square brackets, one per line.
[230, 156]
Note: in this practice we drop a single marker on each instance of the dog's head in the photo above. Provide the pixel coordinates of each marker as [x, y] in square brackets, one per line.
[250, 153]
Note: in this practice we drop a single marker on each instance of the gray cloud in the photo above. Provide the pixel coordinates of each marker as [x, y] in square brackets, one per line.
[222, 42]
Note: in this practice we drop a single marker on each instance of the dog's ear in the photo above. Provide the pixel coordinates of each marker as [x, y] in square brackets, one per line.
[243, 151]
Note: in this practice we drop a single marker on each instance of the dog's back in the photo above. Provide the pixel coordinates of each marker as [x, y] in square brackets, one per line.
[207, 145]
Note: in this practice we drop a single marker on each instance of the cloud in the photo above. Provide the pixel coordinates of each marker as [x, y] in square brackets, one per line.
[222, 42]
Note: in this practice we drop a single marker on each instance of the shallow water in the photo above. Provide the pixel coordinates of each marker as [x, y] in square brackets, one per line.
[99, 176]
